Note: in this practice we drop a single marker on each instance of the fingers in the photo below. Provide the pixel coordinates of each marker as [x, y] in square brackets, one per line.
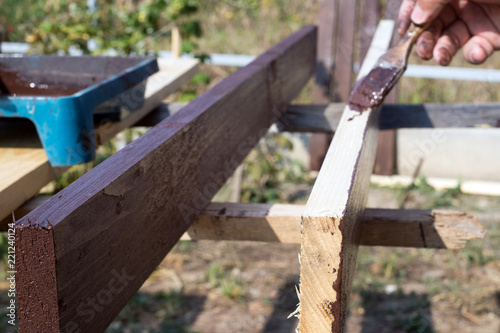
[486, 31]
[478, 49]
[427, 10]
[404, 15]
[427, 41]
[453, 38]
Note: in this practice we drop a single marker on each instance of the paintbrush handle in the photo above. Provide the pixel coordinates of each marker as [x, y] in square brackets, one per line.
[413, 32]
[398, 55]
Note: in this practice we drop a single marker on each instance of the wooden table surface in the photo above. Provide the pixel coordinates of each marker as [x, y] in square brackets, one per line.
[24, 167]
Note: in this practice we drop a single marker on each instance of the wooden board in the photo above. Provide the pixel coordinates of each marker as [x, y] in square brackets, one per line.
[385, 158]
[370, 15]
[101, 237]
[24, 167]
[318, 143]
[439, 229]
[331, 221]
[325, 118]
[344, 51]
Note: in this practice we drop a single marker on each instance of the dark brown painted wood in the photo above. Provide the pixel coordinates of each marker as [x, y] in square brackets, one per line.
[114, 225]
[385, 160]
[345, 49]
[325, 118]
[370, 16]
[319, 143]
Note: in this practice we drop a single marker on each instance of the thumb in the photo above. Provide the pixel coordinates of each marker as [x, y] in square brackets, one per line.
[426, 10]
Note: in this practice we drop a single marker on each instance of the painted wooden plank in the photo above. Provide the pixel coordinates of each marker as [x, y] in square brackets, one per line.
[370, 15]
[345, 51]
[318, 143]
[385, 157]
[325, 118]
[88, 249]
[24, 168]
[331, 221]
[436, 228]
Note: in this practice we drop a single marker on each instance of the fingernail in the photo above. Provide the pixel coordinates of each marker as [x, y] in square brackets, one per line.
[401, 27]
[474, 56]
[445, 57]
[417, 16]
[424, 50]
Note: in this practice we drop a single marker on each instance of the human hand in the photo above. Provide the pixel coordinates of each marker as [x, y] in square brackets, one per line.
[471, 24]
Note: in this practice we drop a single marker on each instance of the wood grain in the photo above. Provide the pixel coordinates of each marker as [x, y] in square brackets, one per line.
[330, 223]
[344, 51]
[114, 225]
[385, 158]
[24, 167]
[370, 15]
[318, 143]
[325, 118]
[436, 228]
[440, 229]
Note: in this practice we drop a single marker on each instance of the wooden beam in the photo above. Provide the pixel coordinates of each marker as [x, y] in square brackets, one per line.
[344, 51]
[318, 143]
[24, 167]
[440, 229]
[325, 118]
[385, 157]
[87, 250]
[436, 228]
[331, 221]
[370, 15]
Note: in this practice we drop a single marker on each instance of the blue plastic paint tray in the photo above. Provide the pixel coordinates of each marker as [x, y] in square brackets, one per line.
[60, 94]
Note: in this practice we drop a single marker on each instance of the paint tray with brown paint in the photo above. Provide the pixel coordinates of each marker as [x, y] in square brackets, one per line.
[61, 95]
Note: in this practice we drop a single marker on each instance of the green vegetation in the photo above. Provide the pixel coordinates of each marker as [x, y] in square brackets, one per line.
[227, 280]
[268, 169]
[127, 27]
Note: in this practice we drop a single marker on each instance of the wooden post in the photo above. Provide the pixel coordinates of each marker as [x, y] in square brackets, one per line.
[385, 160]
[176, 43]
[345, 49]
[87, 250]
[318, 143]
[337, 86]
[331, 221]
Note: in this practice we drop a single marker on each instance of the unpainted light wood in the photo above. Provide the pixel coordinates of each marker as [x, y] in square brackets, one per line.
[331, 221]
[118, 221]
[24, 167]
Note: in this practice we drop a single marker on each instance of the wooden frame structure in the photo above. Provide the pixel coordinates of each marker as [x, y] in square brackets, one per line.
[102, 236]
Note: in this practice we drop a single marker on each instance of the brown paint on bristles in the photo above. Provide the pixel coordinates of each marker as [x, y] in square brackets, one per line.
[370, 91]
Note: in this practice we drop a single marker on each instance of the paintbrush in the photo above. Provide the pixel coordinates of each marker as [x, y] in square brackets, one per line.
[370, 91]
